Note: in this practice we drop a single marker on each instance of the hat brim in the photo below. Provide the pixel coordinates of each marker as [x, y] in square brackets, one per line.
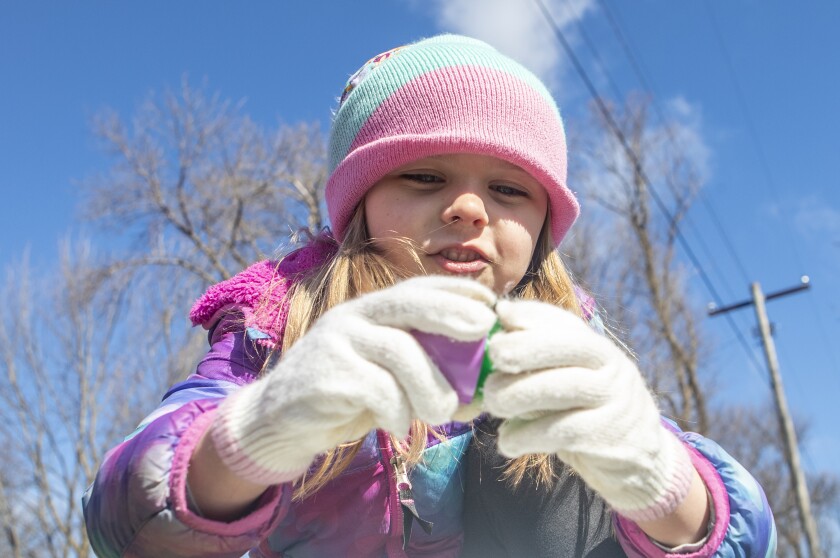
[368, 164]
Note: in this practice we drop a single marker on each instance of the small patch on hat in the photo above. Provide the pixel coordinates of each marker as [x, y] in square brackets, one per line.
[365, 70]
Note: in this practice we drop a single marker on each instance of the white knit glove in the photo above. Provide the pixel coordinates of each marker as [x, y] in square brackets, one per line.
[565, 389]
[356, 369]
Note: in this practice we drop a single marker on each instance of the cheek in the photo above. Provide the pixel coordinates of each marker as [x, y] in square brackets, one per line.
[394, 230]
[380, 217]
[519, 245]
[391, 215]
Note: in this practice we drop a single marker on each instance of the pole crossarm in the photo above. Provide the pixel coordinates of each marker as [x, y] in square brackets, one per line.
[805, 284]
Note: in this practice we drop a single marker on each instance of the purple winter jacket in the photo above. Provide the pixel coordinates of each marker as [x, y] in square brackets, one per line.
[138, 504]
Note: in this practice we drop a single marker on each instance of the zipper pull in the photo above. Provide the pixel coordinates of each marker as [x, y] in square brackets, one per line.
[406, 499]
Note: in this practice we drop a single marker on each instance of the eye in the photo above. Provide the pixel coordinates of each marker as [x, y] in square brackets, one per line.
[509, 191]
[423, 178]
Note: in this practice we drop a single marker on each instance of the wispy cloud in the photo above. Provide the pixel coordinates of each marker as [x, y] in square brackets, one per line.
[515, 27]
[812, 216]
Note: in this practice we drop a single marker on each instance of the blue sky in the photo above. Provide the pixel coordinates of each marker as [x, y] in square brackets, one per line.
[771, 149]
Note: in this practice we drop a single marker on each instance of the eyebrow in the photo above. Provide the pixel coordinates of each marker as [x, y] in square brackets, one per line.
[512, 166]
[504, 163]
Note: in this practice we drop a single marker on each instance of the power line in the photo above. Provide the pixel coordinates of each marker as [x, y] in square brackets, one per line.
[616, 91]
[641, 74]
[631, 155]
[709, 256]
[745, 112]
[726, 242]
[668, 133]
[768, 176]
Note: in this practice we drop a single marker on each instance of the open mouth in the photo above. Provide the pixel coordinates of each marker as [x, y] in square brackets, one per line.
[459, 255]
[461, 260]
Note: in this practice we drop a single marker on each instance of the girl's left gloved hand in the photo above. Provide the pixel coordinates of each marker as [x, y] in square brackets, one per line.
[567, 390]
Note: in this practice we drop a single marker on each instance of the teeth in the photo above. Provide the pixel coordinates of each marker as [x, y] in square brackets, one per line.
[459, 255]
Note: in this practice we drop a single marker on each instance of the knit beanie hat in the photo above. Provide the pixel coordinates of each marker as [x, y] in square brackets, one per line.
[446, 94]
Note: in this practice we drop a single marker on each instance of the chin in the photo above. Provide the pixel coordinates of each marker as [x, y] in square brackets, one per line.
[491, 284]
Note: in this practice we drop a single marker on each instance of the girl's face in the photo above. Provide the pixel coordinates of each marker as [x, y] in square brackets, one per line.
[471, 215]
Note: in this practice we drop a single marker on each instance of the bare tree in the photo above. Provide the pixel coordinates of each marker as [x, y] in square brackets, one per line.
[641, 280]
[194, 191]
[64, 398]
[202, 188]
[198, 191]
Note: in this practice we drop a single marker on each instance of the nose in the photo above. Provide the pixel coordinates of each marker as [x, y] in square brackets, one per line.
[466, 207]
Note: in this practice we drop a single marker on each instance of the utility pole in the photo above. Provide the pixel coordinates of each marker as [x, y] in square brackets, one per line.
[797, 478]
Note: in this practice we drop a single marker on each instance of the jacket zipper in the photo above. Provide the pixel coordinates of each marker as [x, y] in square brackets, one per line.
[394, 545]
[403, 510]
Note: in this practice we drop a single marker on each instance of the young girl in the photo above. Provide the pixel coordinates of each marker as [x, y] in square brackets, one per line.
[328, 418]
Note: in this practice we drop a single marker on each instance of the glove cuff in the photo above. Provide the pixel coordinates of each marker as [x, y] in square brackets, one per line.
[670, 477]
[245, 444]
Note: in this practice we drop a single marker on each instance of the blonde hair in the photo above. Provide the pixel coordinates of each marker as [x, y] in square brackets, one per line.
[359, 267]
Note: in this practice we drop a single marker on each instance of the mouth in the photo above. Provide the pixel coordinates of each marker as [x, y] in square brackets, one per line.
[461, 260]
[460, 254]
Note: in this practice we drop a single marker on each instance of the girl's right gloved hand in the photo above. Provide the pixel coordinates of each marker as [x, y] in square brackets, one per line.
[358, 368]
